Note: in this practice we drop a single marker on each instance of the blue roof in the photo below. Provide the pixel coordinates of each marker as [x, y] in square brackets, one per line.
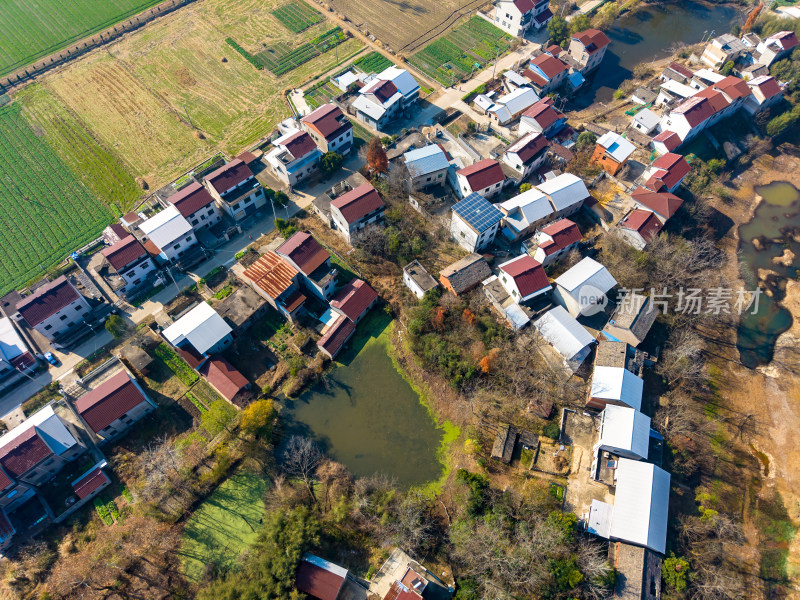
[425, 160]
[478, 212]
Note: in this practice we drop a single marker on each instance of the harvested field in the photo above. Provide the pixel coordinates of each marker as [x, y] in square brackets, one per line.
[297, 16]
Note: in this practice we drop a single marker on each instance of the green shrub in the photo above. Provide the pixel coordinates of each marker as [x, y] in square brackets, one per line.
[247, 56]
[103, 512]
[116, 326]
[552, 430]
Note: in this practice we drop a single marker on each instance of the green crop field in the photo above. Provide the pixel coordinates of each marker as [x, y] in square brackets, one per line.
[467, 47]
[45, 212]
[374, 62]
[321, 94]
[32, 29]
[297, 16]
[224, 525]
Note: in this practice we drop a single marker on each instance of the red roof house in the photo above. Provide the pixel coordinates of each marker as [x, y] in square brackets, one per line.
[481, 176]
[667, 171]
[319, 579]
[304, 251]
[336, 336]
[125, 252]
[524, 278]
[23, 453]
[641, 226]
[91, 482]
[228, 176]
[328, 121]
[224, 378]
[191, 199]
[110, 401]
[663, 204]
[563, 233]
[354, 300]
[48, 300]
[592, 40]
[666, 141]
[358, 203]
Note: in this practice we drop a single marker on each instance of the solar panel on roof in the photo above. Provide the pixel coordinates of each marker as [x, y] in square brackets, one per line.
[478, 212]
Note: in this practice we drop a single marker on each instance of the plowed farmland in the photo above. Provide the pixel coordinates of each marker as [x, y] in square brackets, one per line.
[32, 29]
[45, 212]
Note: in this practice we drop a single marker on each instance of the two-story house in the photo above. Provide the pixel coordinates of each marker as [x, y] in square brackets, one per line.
[666, 173]
[132, 264]
[475, 222]
[294, 157]
[764, 92]
[555, 241]
[566, 192]
[278, 282]
[527, 154]
[236, 189]
[172, 236]
[200, 332]
[546, 73]
[355, 210]
[426, 166]
[354, 300]
[197, 206]
[722, 49]
[523, 213]
[524, 278]
[16, 359]
[775, 47]
[514, 16]
[484, 178]
[330, 128]
[511, 106]
[588, 48]
[612, 152]
[543, 118]
[378, 103]
[54, 310]
[313, 262]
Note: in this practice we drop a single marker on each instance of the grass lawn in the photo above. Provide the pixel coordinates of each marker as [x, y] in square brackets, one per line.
[224, 525]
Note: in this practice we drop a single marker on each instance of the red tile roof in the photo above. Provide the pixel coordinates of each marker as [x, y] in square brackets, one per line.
[564, 233]
[229, 175]
[524, 6]
[5, 480]
[47, 301]
[90, 482]
[383, 90]
[124, 252]
[549, 65]
[328, 120]
[529, 146]
[543, 16]
[483, 174]
[300, 144]
[400, 592]
[109, 401]
[767, 85]
[679, 68]
[23, 361]
[305, 251]
[527, 273]
[672, 169]
[670, 139]
[337, 335]
[534, 78]
[787, 39]
[191, 199]
[317, 582]
[733, 87]
[644, 222]
[295, 300]
[592, 39]
[695, 110]
[664, 203]
[192, 357]
[23, 453]
[271, 274]
[554, 50]
[354, 298]
[116, 230]
[357, 203]
[223, 377]
[716, 99]
[544, 113]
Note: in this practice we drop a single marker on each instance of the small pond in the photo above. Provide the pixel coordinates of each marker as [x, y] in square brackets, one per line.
[650, 34]
[774, 228]
[366, 416]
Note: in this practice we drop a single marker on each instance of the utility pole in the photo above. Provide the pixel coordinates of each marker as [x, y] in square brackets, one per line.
[496, 58]
[173, 279]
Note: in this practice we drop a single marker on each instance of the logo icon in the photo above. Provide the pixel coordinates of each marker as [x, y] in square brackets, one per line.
[592, 300]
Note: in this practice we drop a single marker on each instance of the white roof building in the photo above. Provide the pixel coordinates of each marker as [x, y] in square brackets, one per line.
[566, 335]
[402, 79]
[625, 432]
[524, 211]
[615, 385]
[49, 427]
[617, 147]
[582, 289]
[511, 105]
[202, 327]
[646, 120]
[165, 227]
[565, 191]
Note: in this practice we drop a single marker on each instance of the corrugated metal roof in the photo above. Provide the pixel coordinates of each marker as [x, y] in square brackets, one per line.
[641, 505]
[618, 385]
[563, 332]
[271, 274]
[616, 146]
[202, 327]
[625, 428]
[586, 272]
[565, 190]
[526, 208]
[425, 160]
[165, 227]
[519, 100]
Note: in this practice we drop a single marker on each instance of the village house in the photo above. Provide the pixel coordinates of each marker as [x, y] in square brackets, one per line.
[114, 406]
[671, 92]
[666, 141]
[465, 274]
[330, 128]
[546, 73]
[632, 320]
[197, 206]
[524, 278]
[485, 178]
[666, 173]
[582, 289]
[645, 121]
[312, 261]
[198, 333]
[132, 265]
[663, 204]
[275, 280]
[16, 359]
[722, 49]
[543, 118]
[614, 385]
[775, 47]
[171, 237]
[639, 227]
[404, 82]
[676, 72]
[527, 154]
[566, 192]
[474, 222]
[566, 336]
[644, 96]
[524, 213]
[640, 510]
[401, 577]
[294, 157]
[509, 107]
[236, 189]
[764, 92]
[426, 166]
[705, 78]
[54, 310]
[518, 17]
[417, 279]
[689, 118]
[378, 103]
[588, 48]
[612, 152]
[320, 579]
[335, 335]
[241, 308]
[355, 210]
[624, 432]
[355, 300]
[555, 241]
[226, 380]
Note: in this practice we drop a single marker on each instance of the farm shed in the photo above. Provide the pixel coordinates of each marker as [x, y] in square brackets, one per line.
[504, 443]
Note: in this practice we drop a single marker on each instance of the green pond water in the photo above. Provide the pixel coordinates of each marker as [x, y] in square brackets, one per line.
[776, 226]
[367, 417]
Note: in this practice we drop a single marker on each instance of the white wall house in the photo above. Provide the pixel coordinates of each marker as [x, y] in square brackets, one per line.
[54, 309]
[171, 234]
[330, 128]
[582, 289]
[417, 279]
[197, 206]
[485, 178]
[588, 48]
[474, 222]
[615, 385]
[132, 263]
[566, 192]
[357, 209]
[764, 92]
[426, 166]
[201, 328]
[555, 241]
[527, 154]
[524, 278]
[236, 189]
[514, 16]
[294, 157]
[524, 213]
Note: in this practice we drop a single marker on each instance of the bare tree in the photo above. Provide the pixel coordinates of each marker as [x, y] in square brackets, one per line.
[301, 459]
[682, 357]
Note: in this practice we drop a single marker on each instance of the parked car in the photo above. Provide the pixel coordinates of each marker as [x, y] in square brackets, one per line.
[49, 357]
